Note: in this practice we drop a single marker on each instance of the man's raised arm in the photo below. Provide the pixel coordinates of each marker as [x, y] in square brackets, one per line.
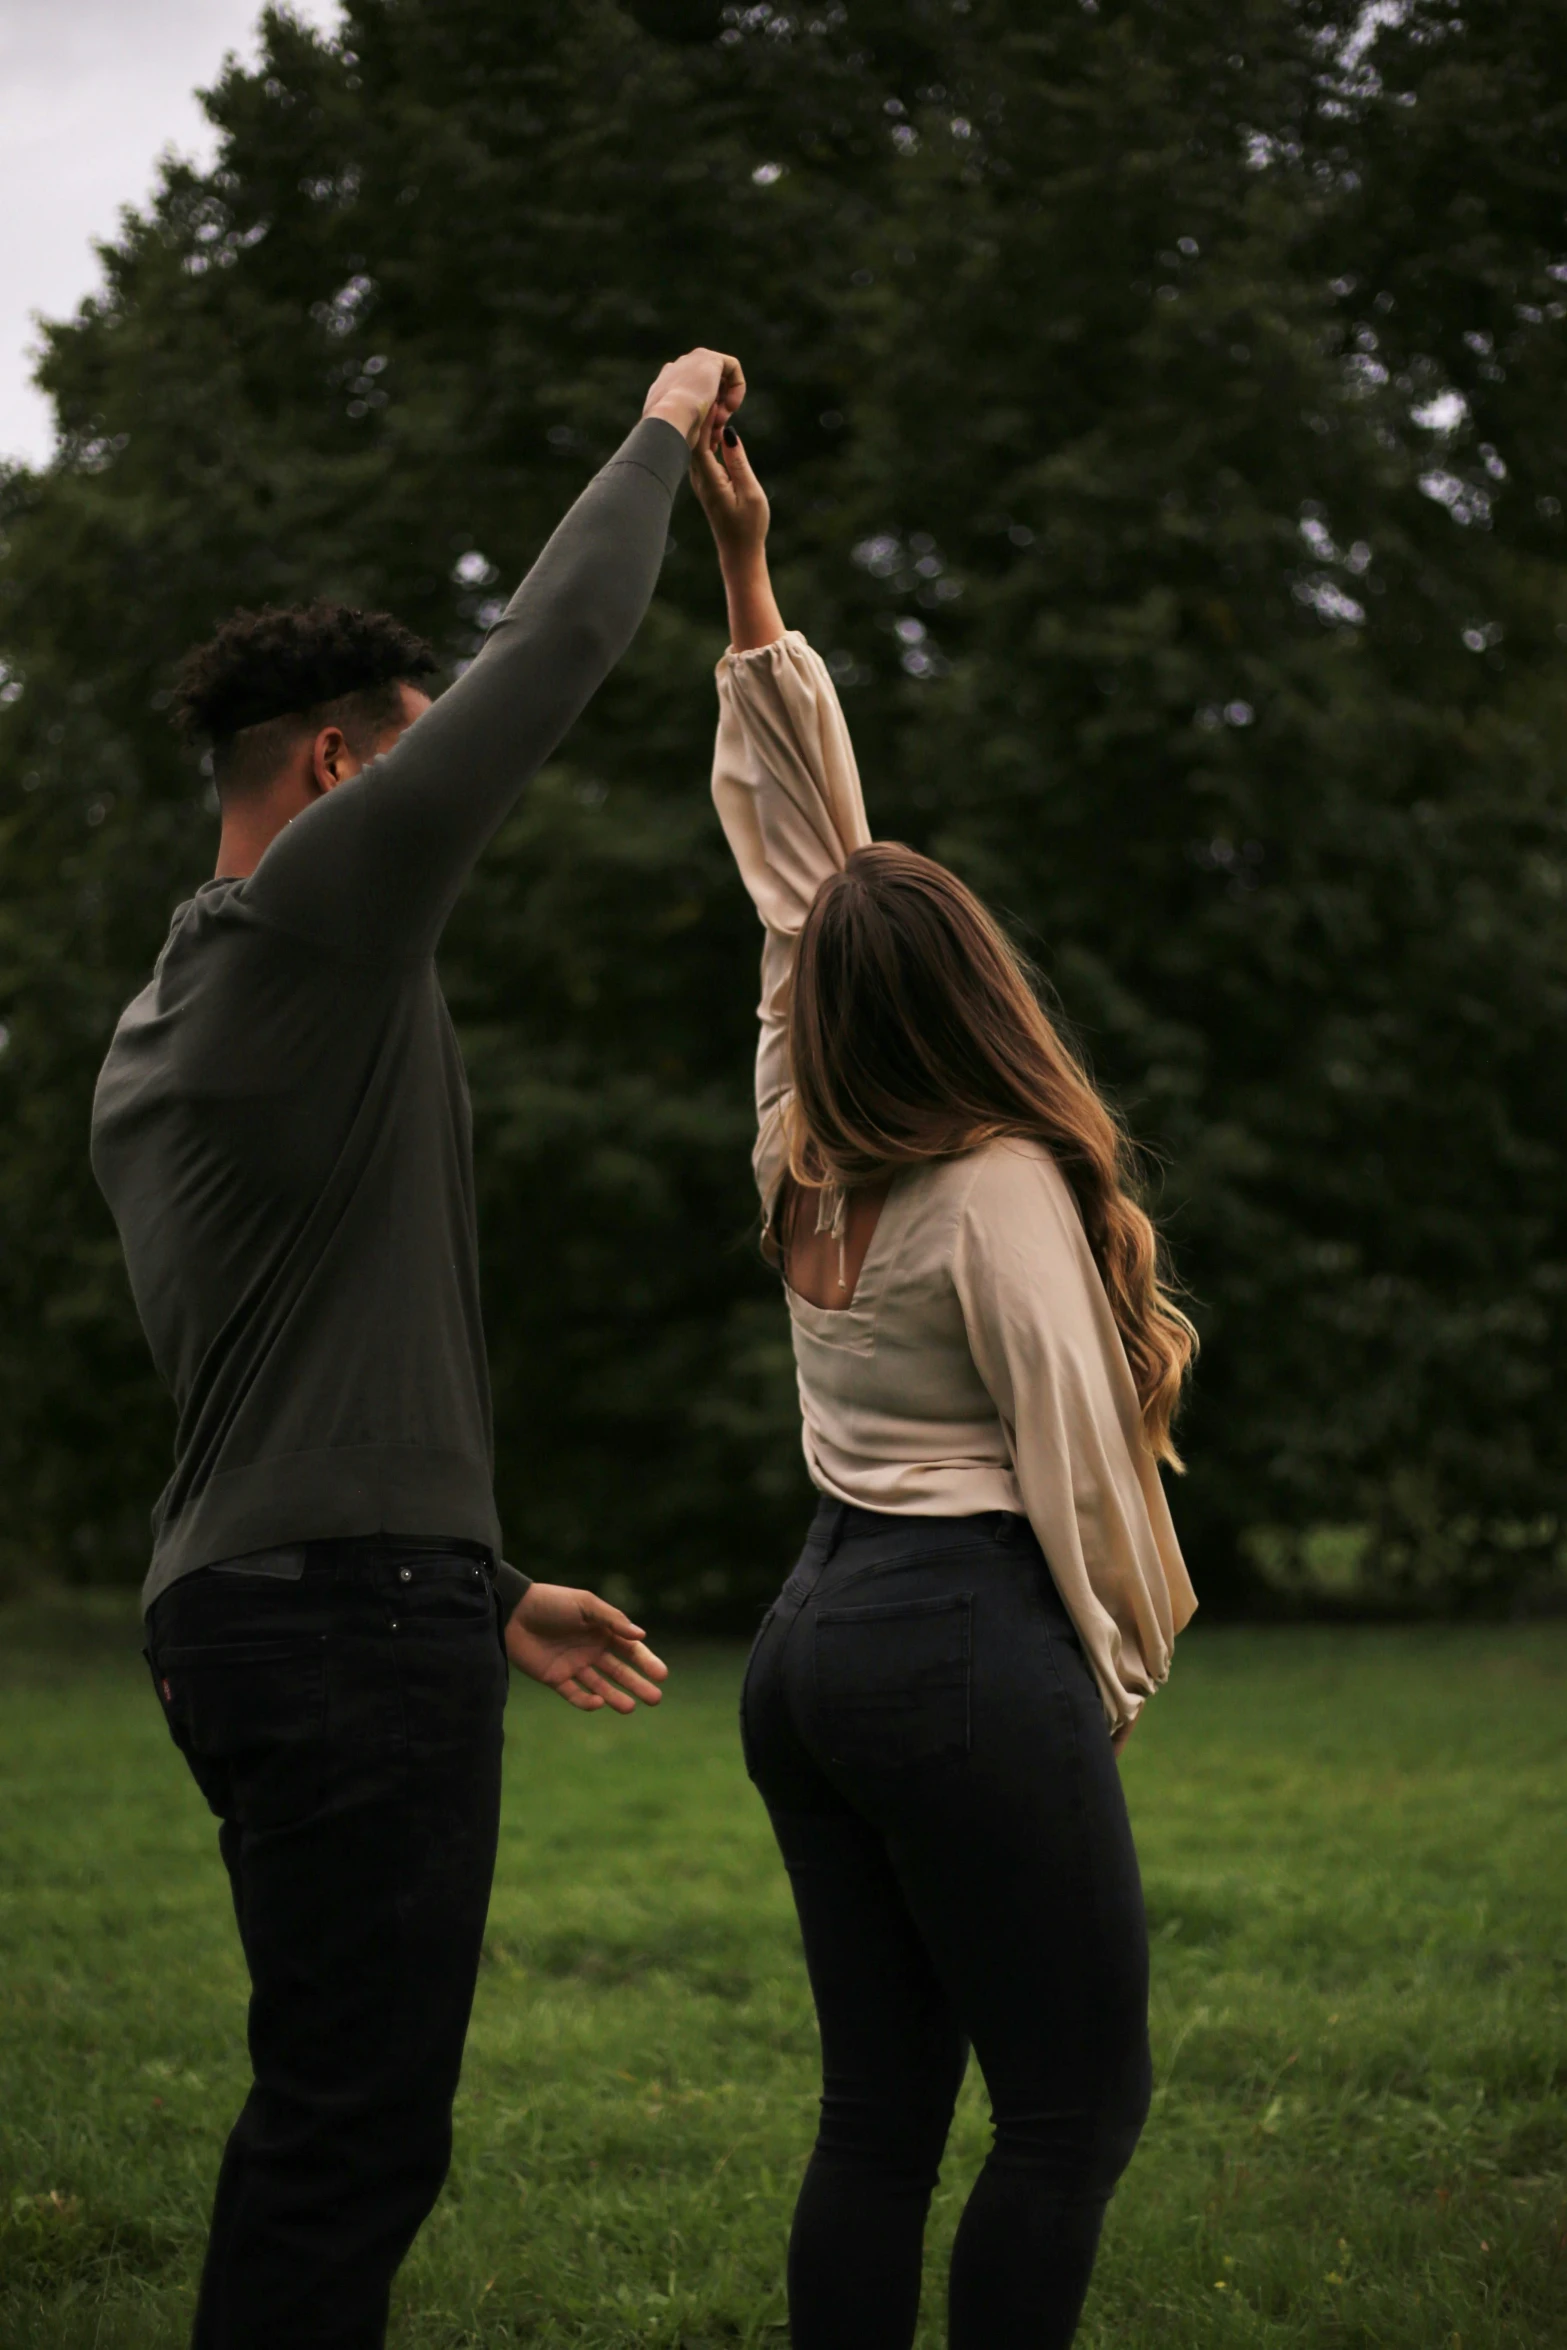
[376, 865]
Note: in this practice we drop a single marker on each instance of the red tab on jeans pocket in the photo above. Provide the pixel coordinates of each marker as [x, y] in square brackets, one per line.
[168, 1694]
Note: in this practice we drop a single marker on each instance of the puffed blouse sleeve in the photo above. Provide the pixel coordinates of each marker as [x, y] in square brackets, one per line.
[1045, 1342]
[788, 795]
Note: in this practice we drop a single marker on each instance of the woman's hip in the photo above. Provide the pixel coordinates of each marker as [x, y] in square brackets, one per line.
[923, 1676]
[899, 1643]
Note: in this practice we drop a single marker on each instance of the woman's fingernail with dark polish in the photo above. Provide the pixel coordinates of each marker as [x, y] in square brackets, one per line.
[731, 436]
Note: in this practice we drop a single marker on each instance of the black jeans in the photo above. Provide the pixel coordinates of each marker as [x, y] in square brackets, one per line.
[927, 1736]
[345, 1726]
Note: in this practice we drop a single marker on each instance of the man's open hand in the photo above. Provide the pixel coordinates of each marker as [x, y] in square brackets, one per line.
[699, 385]
[583, 1649]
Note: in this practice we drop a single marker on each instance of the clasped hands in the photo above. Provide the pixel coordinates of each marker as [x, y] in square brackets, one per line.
[699, 394]
[700, 389]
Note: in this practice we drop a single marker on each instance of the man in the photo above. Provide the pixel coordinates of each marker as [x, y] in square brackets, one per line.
[283, 1134]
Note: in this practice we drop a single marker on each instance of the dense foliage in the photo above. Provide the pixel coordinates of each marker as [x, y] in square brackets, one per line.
[1162, 408]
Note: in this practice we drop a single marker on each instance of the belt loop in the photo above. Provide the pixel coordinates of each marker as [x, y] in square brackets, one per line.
[840, 1519]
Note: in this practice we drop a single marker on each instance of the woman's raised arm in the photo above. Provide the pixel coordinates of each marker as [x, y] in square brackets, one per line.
[784, 778]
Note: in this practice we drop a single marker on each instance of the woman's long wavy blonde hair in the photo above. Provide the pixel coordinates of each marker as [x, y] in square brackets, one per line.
[915, 1034]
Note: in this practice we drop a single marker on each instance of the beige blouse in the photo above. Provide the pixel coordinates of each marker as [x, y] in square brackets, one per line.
[978, 1366]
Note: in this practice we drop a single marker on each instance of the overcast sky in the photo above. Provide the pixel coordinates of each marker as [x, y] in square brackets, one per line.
[91, 92]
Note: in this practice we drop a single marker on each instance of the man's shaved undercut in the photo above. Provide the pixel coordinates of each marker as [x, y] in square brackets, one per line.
[269, 679]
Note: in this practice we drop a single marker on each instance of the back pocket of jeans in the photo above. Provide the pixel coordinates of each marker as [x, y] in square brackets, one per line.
[250, 1719]
[892, 1681]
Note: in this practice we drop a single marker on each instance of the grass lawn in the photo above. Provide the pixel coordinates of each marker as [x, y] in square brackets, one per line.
[1354, 1856]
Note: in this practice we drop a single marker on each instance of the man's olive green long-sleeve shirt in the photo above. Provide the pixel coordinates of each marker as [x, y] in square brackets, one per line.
[282, 1128]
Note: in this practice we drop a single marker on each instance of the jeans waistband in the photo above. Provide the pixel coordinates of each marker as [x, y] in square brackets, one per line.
[289, 1562]
[837, 1522]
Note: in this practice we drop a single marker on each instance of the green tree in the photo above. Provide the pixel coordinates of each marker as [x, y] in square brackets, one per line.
[1159, 404]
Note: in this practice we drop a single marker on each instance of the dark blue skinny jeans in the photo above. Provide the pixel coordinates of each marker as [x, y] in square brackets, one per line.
[924, 1729]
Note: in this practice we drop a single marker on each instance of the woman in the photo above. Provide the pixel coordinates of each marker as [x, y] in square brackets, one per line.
[988, 1368]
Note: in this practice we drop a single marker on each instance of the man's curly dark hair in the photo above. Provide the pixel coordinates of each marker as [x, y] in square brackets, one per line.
[306, 664]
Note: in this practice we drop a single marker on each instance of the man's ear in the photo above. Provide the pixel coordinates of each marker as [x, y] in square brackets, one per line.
[331, 760]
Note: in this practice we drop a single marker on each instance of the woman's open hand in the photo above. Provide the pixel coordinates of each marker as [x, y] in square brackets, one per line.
[735, 504]
[730, 495]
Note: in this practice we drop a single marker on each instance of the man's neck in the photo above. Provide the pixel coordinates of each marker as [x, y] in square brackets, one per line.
[247, 834]
[238, 855]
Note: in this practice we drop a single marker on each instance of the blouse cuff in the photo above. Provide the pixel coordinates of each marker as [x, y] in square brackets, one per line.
[792, 644]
